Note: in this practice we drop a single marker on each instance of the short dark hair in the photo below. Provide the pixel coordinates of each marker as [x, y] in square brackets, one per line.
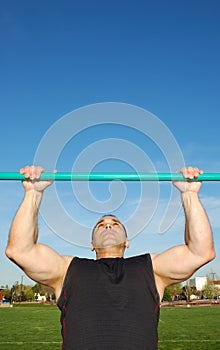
[114, 216]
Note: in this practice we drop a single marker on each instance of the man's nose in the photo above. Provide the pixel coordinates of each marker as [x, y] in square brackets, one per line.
[108, 226]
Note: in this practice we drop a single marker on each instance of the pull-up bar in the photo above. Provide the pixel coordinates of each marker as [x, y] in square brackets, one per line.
[68, 176]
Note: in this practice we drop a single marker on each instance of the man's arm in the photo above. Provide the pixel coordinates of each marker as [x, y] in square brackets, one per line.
[38, 261]
[179, 263]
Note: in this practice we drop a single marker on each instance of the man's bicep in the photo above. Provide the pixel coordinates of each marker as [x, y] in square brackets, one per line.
[175, 264]
[44, 265]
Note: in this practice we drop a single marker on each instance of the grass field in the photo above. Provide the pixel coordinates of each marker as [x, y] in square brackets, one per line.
[37, 327]
[30, 328]
[194, 328]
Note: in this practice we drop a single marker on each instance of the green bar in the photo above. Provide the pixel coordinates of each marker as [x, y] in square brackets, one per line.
[68, 176]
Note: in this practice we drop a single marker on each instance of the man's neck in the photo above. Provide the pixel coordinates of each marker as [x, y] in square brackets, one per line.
[110, 252]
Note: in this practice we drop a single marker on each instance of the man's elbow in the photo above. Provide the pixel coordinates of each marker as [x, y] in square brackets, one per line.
[11, 253]
[210, 256]
[8, 252]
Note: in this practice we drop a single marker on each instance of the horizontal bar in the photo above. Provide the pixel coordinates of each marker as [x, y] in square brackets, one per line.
[68, 176]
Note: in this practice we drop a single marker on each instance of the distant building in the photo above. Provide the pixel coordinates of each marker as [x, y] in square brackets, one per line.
[41, 298]
[217, 284]
[198, 282]
[3, 303]
[2, 294]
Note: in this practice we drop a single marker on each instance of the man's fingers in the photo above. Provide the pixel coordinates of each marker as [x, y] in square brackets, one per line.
[190, 172]
[31, 172]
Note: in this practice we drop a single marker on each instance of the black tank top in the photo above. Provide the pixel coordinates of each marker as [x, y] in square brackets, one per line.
[109, 304]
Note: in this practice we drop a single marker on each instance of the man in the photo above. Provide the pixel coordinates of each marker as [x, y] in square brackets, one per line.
[109, 303]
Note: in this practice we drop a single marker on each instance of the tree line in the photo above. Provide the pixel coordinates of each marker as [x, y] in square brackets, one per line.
[179, 292]
[21, 293]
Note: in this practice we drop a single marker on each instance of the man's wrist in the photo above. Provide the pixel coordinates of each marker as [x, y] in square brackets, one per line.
[34, 196]
[189, 196]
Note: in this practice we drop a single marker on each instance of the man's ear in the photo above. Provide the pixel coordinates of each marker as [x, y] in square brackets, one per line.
[92, 247]
[127, 243]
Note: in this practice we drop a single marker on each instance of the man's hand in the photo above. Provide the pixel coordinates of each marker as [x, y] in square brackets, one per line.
[187, 186]
[32, 173]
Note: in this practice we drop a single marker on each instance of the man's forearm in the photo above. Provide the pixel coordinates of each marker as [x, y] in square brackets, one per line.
[198, 233]
[24, 229]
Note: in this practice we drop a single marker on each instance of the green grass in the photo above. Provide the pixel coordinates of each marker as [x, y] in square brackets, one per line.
[194, 328]
[38, 327]
[30, 328]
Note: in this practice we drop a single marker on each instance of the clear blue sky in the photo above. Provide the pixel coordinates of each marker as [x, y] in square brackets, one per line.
[56, 57]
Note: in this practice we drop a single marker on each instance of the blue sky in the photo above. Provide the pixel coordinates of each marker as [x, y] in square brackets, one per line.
[57, 57]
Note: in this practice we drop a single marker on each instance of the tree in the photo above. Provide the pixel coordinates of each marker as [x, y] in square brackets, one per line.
[15, 292]
[176, 291]
[167, 296]
[188, 291]
[210, 290]
[7, 294]
[29, 294]
[173, 292]
[37, 288]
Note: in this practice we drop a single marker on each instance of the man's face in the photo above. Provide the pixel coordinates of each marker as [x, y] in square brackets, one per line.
[108, 232]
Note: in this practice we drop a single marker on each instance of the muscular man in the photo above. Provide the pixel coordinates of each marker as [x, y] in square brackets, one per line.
[111, 302]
